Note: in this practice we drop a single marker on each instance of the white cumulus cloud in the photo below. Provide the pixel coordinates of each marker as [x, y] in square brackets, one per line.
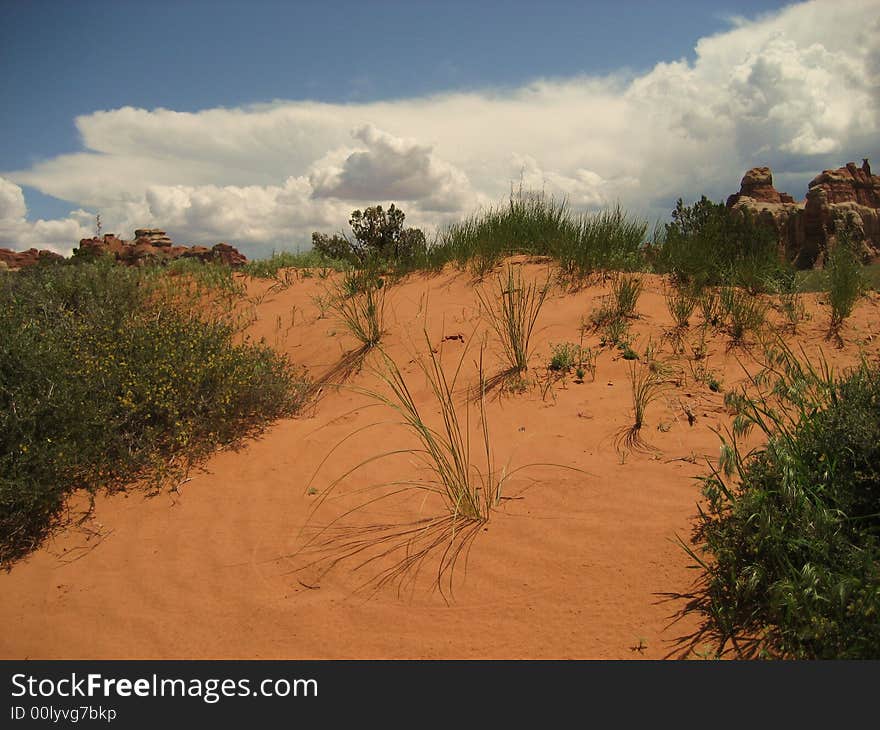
[798, 89]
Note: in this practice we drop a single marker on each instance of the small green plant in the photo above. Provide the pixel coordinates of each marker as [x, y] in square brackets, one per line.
[564, 357]
[363, 313]
[681, 302]
[844, 274]
[512, 312]
[568, 356]
[625, 294]
[646, 386]
[711, 308]
[745, 313]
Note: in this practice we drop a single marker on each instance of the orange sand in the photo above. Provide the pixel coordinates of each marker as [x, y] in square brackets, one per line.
[573, 567]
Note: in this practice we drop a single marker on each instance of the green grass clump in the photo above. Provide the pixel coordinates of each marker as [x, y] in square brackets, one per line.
[845, 283]
[625, 293]
[788, 543]
[269, 268]
[744, 313]
[608, 240]
[681, 302]
[646, 385]
[104, 379]
[512, 311]
[535, 223]
[361, 311]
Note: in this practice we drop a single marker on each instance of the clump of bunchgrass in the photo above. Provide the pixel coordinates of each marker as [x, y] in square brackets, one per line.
[711, 308]
[745, 313]
[512, 310]
[646, 386]
[788, 288]
[681, 302]
[458, 467]
[362, 312]
[625, 292]
[844, 275]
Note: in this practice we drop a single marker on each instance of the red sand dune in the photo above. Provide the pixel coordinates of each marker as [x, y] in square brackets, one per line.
[573, 567]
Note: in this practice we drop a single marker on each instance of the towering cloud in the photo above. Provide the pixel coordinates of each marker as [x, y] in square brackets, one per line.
[798, 90]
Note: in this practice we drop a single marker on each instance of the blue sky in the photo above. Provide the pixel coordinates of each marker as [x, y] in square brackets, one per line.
[64, 62]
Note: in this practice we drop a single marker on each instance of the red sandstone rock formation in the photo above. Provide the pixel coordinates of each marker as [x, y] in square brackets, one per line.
[778, 210]
[808, 228]
[152, 244]
[20, 259]
[835, 196]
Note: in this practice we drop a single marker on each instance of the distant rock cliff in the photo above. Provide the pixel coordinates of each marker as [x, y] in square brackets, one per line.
[19, 259]
[807, 228]
[149, 244]
[152, 244]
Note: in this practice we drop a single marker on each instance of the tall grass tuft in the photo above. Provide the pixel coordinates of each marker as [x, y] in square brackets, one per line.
[362, 312]
[646, 385]
[745, 313]
[530, 222]
[458, 468]
[845, 283]
[681, 302]
[625, 292]
[512, 311]
[535, 223]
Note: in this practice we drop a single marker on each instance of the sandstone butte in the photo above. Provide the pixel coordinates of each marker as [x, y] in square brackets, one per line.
[149, 244]
[807, 228]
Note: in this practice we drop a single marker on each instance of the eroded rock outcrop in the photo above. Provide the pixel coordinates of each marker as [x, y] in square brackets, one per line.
[835, 196]
[777, 210]
[20, 259]
[153, 244]
[807, 229]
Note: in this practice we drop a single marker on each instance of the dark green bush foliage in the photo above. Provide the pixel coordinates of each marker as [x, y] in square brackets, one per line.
[708, 243]
[794, 547]
[103, 380]
[335, 247]
[379, 237]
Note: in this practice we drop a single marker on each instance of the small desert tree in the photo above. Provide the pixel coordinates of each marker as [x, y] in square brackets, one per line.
[379, 235]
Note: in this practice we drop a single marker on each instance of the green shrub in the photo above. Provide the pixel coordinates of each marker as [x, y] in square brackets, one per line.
[708, 243]
[792, 558]
[845, 281]
[104, 379]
